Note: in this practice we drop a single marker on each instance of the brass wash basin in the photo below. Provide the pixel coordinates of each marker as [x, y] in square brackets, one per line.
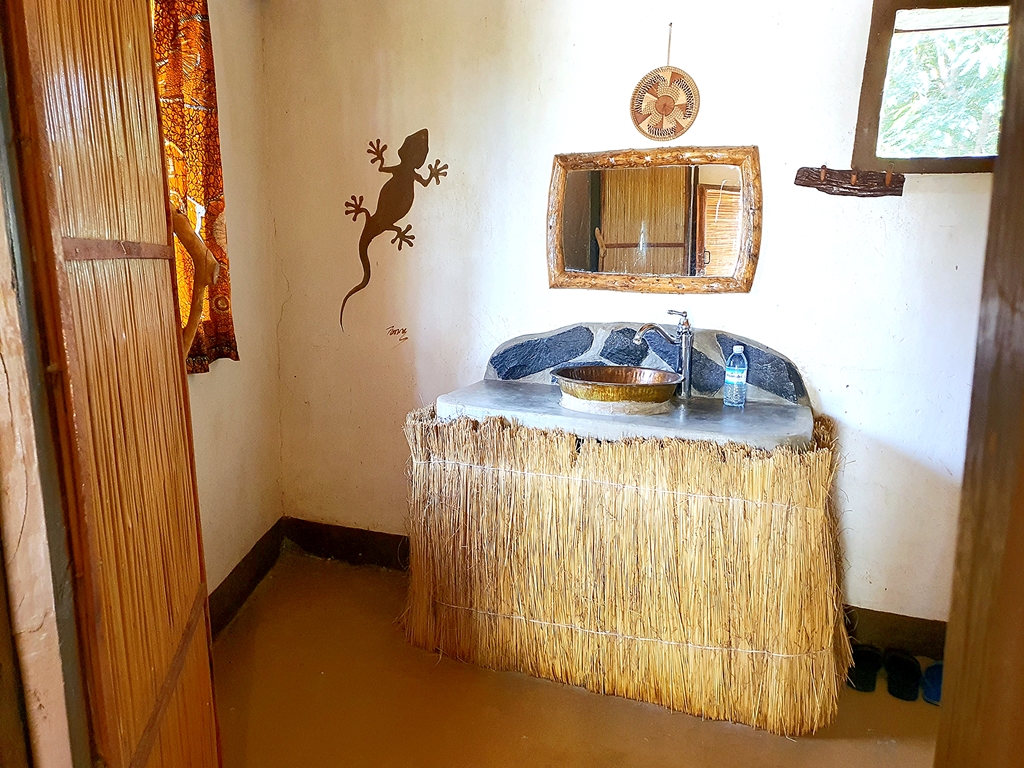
[617, 389]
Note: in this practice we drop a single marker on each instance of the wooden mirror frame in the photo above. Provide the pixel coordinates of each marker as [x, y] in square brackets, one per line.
[746, 158]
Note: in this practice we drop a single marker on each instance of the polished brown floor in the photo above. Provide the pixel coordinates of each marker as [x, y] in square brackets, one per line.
[314, 672]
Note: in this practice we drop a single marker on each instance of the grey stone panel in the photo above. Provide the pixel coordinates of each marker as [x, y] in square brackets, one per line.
[619, 347]
[706, 375]
[767, 370]
[533, 356]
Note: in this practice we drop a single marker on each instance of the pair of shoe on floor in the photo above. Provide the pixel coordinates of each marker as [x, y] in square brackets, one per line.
[904, 678]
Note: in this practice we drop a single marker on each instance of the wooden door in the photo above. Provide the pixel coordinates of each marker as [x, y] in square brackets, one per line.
[983, 689]
[96, 206]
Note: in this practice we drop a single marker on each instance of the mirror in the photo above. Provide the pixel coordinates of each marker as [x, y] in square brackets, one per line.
[637, 221]
[678, 220]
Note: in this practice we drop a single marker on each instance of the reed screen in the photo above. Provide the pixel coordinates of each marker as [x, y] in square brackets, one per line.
[99, 102]
[644, 221]
[701, 577]
[139, 509]
[125, 443]
[719, 224]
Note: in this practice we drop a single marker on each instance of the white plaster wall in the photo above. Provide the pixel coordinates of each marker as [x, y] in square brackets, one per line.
[235, 407]
[876, 300]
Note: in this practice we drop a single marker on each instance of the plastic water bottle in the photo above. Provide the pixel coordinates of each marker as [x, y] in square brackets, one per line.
[736, 377]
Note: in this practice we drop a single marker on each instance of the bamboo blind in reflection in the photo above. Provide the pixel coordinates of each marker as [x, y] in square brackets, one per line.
[140, 510]
[719, 226]
[639, 242]
[101, 118]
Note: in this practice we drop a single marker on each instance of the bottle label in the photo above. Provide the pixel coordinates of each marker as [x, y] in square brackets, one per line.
[735, 376]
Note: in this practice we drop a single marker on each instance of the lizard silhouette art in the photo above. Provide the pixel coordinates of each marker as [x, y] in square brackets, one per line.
[394, 202]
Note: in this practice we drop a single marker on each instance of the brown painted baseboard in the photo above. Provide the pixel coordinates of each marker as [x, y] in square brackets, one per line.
[350, 545]
[232, 593]
[334, 542]
[921, 637]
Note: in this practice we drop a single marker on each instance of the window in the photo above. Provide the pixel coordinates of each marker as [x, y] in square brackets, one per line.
[932, 95]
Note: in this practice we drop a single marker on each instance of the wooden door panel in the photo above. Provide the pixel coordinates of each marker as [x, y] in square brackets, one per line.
[139, 514]
[98, 90]
[93, 177]
[187, 736]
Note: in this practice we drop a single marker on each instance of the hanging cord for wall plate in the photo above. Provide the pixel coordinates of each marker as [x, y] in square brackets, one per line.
[668, 56]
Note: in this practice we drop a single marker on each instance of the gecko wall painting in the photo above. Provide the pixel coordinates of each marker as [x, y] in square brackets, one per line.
[394, 201]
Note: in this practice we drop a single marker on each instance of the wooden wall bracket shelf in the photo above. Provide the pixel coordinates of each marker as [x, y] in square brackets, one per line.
[851, 183]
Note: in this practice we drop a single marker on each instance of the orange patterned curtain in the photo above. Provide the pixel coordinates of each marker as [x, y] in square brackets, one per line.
[188, 109]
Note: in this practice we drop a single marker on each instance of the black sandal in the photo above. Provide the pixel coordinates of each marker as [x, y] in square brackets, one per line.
[904, 674]
[867, 660]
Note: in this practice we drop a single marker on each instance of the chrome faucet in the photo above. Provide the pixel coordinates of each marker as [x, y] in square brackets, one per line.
[683, 341]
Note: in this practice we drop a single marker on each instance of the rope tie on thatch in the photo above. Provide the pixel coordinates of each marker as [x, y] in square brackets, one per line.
[605, 633]
[610, 484]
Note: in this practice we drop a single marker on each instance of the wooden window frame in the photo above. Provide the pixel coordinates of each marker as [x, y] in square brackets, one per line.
[883, 21]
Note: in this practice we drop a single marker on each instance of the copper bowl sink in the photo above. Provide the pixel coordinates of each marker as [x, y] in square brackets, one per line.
[617, 383]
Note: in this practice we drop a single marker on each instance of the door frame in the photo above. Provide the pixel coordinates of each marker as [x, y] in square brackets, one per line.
[983, 695]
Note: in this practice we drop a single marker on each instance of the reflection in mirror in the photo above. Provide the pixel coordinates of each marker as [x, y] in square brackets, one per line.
[681, 221]
[719, 205]
[672, 220]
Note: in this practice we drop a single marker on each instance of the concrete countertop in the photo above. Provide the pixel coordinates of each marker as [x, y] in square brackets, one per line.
[763, 425]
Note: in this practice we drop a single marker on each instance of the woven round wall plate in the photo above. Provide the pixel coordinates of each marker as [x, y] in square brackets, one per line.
[664, 104]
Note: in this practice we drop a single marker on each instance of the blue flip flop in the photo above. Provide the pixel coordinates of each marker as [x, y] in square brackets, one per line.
[931, 684]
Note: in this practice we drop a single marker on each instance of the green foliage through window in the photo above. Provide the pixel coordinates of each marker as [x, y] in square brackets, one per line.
[943, 93]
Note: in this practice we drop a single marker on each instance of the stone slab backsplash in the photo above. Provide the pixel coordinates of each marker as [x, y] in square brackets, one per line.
[771, 377]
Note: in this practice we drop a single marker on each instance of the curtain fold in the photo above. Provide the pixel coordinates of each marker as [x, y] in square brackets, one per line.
[188, 108]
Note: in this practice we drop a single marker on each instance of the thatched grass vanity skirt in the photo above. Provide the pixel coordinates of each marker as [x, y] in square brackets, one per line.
[700, 577]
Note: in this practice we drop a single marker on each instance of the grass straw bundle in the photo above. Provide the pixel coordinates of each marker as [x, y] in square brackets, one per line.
[701, 577]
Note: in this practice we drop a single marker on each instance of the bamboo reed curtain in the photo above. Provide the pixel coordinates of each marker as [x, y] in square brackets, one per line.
[719, 224]
[141, 516]
[637, 242]
[188, 110]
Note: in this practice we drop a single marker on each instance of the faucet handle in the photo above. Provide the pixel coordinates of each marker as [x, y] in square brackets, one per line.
[684, 321]
[683, 326]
